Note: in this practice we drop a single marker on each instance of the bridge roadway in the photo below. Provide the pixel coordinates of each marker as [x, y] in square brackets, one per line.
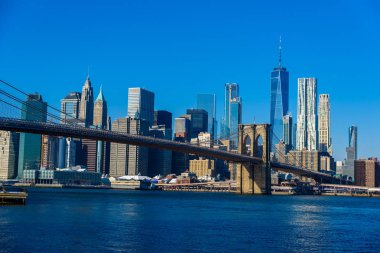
[65, 130]
[18, 125]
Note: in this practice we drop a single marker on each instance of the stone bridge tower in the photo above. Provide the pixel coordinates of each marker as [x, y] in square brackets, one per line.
[254, 140]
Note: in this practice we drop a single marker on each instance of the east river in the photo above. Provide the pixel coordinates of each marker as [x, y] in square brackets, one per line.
[73, 220]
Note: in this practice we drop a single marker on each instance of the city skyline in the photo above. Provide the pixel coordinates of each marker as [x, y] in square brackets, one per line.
[329, 62]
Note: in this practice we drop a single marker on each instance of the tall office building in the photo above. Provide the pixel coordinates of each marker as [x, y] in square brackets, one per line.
[307, 137]
[180, 161]
[162, 117]
[49, 152]
[141, 104]
[207, 103]
[160, 161]
[279, 99]
[324, 137]
[351, 150]
[232, 114]
[353, 143]
[34, 109]
[70, 107]
[100, 121]
[288, 131]
[86, 111]
[100, 111]
[9, 142]
[199, 121]
[129, 159]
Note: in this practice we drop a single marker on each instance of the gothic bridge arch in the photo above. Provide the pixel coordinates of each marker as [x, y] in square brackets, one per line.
[254, 140]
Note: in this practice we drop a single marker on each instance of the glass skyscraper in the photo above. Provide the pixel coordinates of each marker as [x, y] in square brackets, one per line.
[33, 109]
[207, 103]
[232, 113]
[279, 99]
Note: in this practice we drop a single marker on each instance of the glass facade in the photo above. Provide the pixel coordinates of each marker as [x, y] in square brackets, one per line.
[232, 113]
[30, 144]
[199, 121]
[207, 103]
[279, 106]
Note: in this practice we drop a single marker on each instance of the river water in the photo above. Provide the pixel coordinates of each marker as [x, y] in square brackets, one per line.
[77, 220]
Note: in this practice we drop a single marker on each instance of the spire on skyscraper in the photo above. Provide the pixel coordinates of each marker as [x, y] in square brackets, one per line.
[279, 53]
[100, 96]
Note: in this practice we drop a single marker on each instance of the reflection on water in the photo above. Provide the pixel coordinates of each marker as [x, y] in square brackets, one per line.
[133, 221]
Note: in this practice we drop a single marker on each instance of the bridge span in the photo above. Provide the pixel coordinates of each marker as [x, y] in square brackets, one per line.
[65, 130]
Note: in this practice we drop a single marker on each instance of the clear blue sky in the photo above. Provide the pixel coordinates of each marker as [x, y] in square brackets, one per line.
[180, 48]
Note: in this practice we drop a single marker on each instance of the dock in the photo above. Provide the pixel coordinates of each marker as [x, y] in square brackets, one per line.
[13, 198]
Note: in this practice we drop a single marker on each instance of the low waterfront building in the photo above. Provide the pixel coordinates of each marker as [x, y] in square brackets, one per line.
[203, 167]
[68, 176]
[367, 172]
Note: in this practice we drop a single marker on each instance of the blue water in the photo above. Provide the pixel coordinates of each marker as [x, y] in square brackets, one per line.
[134, 221]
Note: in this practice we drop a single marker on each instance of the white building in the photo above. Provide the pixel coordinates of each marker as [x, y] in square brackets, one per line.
[141, 104]
[307, 114]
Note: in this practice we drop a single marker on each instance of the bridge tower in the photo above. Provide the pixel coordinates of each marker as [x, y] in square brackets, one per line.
[254, 140]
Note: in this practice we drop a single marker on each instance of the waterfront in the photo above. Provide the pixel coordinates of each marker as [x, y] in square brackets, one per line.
[77, 220]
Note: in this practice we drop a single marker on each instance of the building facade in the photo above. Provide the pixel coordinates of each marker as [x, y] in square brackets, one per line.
[49, 152]
[162, 117]
[199, 121]
[70, 106]
[207, 102]
[160, 161]
[307, 137]
[324, 132]
[351, 151]
[141, 104]
[279, 99]
[86, 111]
[202, 167]
[34, 109]
[232, 113]
[367, 173]
[129, 159]
[9, 142]
[288, 132]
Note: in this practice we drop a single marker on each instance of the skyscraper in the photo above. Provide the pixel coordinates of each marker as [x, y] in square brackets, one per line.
[70, 107]
[49, 152]
[9, 142]
[232, 113]
[129, 159]
[100, 121]
[199, 121]
[353, 142]
[100, 111]
[288, 132]
[307, 114]
[324, 137]
[34, 109]
[86, 111]
[162, 117]
[207, 103]
[160, 161]
[351, 150]
[279, 99]
[141, 104]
